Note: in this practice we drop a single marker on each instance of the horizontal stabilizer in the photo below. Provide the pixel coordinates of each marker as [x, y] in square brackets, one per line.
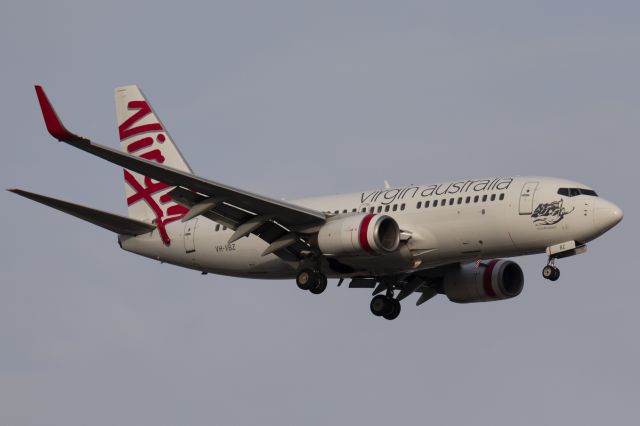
[112, 222]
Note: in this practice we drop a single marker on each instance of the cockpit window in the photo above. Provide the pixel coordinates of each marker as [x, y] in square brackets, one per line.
[572, 192]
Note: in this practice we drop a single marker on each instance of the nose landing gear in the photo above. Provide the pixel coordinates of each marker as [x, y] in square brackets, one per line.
[560, 251]
[551, 271]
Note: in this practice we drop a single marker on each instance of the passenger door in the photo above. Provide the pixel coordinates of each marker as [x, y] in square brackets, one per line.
[526, 197]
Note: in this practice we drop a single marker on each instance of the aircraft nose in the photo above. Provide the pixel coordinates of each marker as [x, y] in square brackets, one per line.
[606, 215]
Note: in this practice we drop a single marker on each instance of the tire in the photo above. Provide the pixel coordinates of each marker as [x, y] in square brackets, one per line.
[548, 272]
[305, 279]
[379, 305]
[556, 274]
[394, 311]
[320, 284]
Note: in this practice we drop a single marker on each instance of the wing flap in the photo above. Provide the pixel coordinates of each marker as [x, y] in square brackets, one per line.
[112, 222]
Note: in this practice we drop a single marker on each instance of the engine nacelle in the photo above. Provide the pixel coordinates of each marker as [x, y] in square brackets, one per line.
[496, 280]
[359, 235]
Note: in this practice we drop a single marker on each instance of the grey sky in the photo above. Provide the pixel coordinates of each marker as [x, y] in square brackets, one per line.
[294, 99]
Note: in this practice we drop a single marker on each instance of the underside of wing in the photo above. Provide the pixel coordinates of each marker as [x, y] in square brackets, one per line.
[234, 218]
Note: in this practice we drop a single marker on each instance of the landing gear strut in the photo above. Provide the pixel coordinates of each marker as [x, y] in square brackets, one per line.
[385, 306]
[551, 271]
[314, 281]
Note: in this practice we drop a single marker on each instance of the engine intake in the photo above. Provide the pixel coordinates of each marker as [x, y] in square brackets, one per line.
[359, 235]
[496, 280]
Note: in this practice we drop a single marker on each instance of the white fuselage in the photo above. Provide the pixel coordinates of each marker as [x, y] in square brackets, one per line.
[473, 219]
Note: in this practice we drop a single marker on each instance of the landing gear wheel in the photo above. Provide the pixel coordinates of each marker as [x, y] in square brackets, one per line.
[548, 272]
[320, 283]
[379, 305]
[385, 306]
[394, 310]
[305, 279]
[551, 273]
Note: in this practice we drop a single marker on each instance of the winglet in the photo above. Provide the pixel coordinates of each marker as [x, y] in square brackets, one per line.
[52, 121]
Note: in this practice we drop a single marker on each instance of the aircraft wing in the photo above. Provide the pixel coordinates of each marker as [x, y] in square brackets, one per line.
[110, 221]
[232, 206]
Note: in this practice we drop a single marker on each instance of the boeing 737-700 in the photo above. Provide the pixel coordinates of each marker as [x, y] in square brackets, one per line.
[445, 238]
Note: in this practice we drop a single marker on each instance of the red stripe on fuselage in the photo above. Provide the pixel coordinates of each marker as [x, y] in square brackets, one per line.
[488, 287]
[362, 233]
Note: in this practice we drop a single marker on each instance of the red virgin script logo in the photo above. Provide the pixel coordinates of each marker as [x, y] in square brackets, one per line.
[149, 147]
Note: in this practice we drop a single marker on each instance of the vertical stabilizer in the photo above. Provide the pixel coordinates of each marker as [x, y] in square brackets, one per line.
[142, 134]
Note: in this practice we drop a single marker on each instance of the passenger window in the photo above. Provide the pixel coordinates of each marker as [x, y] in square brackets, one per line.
[372, 210]
[379, 209]
[419, 204]
[354, 210]
[501, 197]
[460, 200]
[435, 203]
[484, 198]
[395, 207]
[224, 228]
[386, 208]
[493, 197]
[451, 200]
[217, 227]
[443, 203]
[426, 204]
[476, 198]
[402, 206]
[337, 211]
[468, 200]
[364, 209]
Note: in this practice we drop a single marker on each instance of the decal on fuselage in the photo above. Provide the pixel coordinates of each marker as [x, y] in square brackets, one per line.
[390, 196]
[549, 213]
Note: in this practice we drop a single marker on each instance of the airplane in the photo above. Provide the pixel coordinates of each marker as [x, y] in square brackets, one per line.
[447, 238]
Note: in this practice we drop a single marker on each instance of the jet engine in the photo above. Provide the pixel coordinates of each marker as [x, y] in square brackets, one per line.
[359, 235]
[496, 280]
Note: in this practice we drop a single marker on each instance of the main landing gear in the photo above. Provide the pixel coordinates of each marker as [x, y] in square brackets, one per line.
[385, 306]
[314, 281]
[551, 271]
